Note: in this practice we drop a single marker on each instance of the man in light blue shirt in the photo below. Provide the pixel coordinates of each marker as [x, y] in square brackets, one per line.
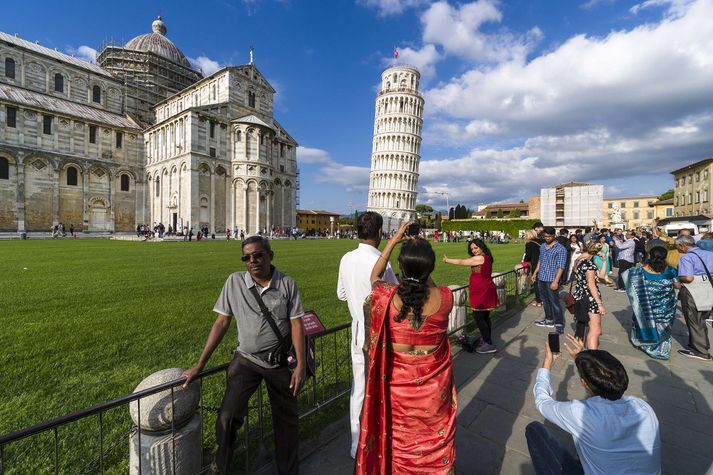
[613, 433]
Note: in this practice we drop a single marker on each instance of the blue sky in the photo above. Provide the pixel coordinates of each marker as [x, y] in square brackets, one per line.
[519, 94]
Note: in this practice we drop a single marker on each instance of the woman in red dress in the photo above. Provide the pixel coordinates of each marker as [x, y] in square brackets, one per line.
[409, 416]
[483, 294]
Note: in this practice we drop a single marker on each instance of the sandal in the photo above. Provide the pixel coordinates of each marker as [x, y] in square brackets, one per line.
[535, 304]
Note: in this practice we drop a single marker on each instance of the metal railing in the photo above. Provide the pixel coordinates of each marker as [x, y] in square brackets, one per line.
[94, 450]
[511, 287]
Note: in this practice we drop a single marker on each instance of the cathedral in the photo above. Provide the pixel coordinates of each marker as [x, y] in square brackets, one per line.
[139, 138]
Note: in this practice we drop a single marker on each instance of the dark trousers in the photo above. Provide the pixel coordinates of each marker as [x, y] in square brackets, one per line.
[244, 378]
[538, 299]
[623, 266]
[551, 303]
[696, 323]
[485, 325]
[548, 456]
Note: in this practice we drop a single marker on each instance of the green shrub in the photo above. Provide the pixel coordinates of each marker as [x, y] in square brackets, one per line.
[510, 226]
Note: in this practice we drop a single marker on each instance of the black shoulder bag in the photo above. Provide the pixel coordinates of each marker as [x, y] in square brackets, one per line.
[284, 354]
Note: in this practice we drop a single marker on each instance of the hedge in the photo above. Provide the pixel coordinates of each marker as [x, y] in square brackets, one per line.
[510, 226]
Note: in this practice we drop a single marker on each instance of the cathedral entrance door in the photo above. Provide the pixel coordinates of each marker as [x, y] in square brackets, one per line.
[174, 220]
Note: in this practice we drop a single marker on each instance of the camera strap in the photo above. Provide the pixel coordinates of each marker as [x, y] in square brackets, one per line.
[270, 319]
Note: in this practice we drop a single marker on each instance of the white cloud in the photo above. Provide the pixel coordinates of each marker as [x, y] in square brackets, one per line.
[675, 7]
[595, 3]
[330, 171]
[205, 64]
[392, 7]
[457, 30]
[84, 52]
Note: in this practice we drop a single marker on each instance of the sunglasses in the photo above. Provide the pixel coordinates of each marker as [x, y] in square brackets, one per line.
[255, 255]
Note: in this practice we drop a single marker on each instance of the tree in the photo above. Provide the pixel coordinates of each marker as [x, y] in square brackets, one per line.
[451, 213]
[424, 208]
[500, 214]
[439, 220]
[515, 213]
[667, 195]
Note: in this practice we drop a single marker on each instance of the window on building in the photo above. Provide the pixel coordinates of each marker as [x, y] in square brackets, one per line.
[676, 201]
[238, 136]
[698, 176]
[690, 198]
[157, 187]
[4, 169]
[704, 196]
[698, 196]
[636, 214]
[251, 99]
[623, 215]
[212, 129]
[212, 151]
[610, 205]
[119, 139]
[10, 68]
[690, 178]
[669, 212]
[705, 174]
[11, 118]
[72, 176]
[58, 82]
[622, 205]
[636, 204]
[649, 215]
[92, 134]
[124, 185]
[47, 124]
[282, 150]
[96, 94]
[282, 168]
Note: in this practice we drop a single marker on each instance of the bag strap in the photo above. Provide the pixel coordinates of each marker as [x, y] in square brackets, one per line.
[705, 268]
[268, 316]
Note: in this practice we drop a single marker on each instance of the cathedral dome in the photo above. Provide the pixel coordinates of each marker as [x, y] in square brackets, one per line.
[157, 43]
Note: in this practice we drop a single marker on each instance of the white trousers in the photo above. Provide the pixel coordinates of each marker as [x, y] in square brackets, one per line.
[356, 397]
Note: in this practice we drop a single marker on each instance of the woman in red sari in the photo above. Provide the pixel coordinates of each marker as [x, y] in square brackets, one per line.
[409, 416]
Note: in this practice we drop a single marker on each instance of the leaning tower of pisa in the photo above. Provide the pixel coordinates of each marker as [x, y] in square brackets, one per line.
[396, 150]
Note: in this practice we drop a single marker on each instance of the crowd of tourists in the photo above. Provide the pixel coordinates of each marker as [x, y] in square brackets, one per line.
[403, 401]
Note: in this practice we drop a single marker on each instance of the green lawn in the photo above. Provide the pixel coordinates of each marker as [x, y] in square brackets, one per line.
[84, 321]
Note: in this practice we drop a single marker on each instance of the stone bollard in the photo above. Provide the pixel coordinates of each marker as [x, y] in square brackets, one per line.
[459, 314]
[159, 450]
[500, 281]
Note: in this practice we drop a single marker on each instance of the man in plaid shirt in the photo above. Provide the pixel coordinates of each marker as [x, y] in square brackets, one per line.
[547, 275]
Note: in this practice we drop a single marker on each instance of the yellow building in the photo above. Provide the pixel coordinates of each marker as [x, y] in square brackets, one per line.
[635, 211]
[319, 221]
[663, 209]
[691, 188]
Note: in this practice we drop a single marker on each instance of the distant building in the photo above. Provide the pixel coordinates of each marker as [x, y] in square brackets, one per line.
[503, 210]
[635, 211]
[663, 209]
[691, 193]
[319, 221]
[533, 206]
[571, 204]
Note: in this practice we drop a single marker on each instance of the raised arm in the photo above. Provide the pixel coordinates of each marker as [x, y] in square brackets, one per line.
[377, 271]
[470, 262]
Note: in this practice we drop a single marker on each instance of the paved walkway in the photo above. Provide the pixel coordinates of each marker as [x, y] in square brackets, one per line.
[495, 400]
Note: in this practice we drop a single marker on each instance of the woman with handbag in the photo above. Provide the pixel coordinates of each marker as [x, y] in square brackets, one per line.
[408, 420]
[589, 308]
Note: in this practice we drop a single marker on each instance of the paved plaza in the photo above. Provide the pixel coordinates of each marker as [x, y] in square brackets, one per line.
[495, 400]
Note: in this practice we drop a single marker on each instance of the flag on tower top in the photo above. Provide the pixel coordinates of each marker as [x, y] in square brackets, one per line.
[396, 53]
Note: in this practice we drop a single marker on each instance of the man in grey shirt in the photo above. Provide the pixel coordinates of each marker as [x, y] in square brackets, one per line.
[251, 363]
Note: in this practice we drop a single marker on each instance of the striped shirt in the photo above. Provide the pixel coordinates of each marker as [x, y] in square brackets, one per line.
[551, 259]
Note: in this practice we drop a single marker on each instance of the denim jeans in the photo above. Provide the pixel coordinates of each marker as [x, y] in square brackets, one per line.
[551, 302]
[547, 454]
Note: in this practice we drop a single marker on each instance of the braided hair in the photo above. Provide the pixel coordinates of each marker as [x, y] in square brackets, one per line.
[416, 261]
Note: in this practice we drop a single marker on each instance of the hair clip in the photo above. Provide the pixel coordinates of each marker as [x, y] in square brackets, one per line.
[411, 279]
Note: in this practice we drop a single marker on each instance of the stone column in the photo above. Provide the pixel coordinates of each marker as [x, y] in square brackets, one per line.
[268, 210]
[257, 209]
[85, 198]
[20, 202]
[112, 194]
[230, 218]
[282, 198]
[55, 195]
[212, 200]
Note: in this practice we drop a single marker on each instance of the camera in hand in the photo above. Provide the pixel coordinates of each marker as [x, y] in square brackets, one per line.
[414, 229]
[553, 339]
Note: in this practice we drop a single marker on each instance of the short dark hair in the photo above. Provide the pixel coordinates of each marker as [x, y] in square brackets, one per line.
[587, 230]
[604, 374]
[538, 224]
[255, 239]
[549, 230]
[564, 232]
[369, 224]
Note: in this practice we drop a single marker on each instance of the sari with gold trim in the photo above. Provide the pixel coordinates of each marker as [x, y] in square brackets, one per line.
[409, 412]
